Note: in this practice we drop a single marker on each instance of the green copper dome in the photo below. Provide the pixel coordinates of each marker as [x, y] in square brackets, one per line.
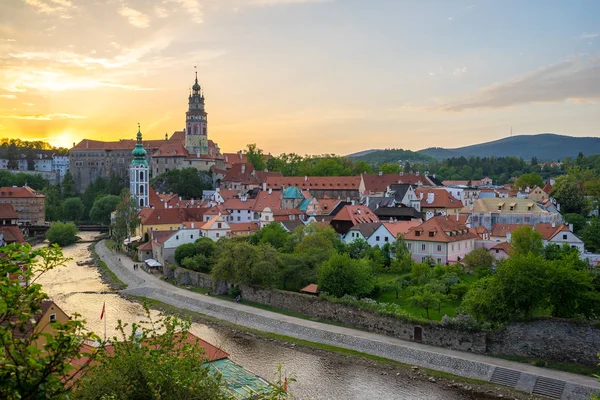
[139, 153]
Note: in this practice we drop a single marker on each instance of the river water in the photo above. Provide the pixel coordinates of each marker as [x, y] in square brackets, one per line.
[320, 375]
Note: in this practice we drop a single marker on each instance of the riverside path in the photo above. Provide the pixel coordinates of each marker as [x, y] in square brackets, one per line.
[524, 377]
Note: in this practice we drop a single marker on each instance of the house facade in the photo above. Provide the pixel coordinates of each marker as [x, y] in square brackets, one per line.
[442, 239]
[29, 204]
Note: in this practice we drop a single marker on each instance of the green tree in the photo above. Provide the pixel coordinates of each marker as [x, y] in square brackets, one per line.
[62, 234]
[358, 248]
[273, 234]
[255, 157]
[341, 275]
[478, 258]
[571, 291]
[526, 240]
[426, 299]
[184, 251]
[103, 207]
[401, 256]
[30, 372]
[579, 222]
[189, 183]
[126, 219]
[518, 288]
[529, 180]
[568, 192]
[591, 235]
[72, 209]
[241, 263]
[68, 186]
[156, 360]
[421, 273]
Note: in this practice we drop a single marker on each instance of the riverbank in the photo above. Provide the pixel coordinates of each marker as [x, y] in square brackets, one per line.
[469, 388]
[526, 378]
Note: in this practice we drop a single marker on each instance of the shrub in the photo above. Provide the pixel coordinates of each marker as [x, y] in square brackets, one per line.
[62, 234]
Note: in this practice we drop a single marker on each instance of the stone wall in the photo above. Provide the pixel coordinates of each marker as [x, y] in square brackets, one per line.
[549, 339]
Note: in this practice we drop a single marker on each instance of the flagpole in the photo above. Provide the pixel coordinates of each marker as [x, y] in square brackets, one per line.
[105, 324]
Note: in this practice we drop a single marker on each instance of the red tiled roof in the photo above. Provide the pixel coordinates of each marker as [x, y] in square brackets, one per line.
[171, 216]
[7, 211]
[311, 288]
[241, 172]
[123, 144]
[238, 204]
[375, 183]
[227, 194]
[162, 236]
[20, 192]
[327, 205]
[441, 199]
[400, 227]
[547, 188]
[171, 149]
[315, 182]
[500, 230]
[233, 158]
[504, 246]
[548, 231]
[265, 199]
[356, 214]
[440, 229]
[145, 246]
[244, 227]
[11, 234]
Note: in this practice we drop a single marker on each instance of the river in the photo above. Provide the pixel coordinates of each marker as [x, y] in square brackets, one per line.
[320, 375]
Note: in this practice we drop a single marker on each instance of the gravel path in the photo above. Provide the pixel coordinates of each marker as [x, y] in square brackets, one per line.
[529, 378]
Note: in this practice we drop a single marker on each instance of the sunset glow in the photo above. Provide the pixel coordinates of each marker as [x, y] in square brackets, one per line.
[303, 76]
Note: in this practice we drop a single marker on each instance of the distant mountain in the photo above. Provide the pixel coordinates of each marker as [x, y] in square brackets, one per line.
[388, 156]
[545, 146]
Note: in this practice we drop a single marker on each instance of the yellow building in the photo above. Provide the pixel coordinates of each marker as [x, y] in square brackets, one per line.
[42, 322]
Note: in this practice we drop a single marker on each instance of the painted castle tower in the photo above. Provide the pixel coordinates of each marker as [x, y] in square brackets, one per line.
[196, 138]
[139, 173]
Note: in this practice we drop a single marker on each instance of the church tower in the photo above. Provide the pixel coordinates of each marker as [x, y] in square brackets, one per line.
[138, 173]
[196, 139]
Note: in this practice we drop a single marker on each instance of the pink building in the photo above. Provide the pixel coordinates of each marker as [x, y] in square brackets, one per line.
[442, 238]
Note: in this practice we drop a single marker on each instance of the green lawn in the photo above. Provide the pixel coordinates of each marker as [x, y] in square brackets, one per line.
[447, 307]
[110, 244]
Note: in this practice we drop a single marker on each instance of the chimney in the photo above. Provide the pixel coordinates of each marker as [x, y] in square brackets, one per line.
[417, 173]
[270, 190]
[570, 227]
[380, 173]
[471, 206]
[305, 178]
[198, 153]
[73, 144]
[421, 196]
[264, 186]
[456, 217]
[243, 168]
[192, 225]
[401, 173]
[430, 197]
[87, 144]
[554, 224]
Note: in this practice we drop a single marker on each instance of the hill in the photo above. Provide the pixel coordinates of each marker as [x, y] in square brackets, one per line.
[545, 146]
[394, 156]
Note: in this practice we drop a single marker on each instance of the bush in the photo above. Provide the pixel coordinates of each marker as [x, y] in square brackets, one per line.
[62, 234]
[341, 275]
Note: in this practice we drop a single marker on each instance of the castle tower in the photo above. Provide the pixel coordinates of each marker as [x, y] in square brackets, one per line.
[196, 139]
[138, 173]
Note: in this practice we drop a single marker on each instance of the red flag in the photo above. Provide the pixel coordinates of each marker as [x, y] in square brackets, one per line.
[285, 382]
[103, 310]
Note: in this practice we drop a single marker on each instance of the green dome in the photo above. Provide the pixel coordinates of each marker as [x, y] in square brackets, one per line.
[139, 153]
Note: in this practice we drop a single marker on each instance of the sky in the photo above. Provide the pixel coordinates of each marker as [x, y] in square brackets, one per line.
[302, 76]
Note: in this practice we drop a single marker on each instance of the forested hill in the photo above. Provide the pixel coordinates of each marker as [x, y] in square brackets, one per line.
[377, 157]
[545, 146]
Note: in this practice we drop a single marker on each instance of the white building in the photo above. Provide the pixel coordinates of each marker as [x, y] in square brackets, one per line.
[139, 174]
[216, 228]
[165, 243]
[60, 164]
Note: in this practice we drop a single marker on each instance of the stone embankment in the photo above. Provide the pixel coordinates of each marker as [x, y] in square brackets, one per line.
[530, 379]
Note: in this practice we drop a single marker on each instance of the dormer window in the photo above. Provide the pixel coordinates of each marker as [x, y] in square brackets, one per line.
[431, 233]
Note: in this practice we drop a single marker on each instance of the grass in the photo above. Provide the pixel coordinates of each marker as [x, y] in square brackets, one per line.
[110, 244]
[112, 279]
[560, 366]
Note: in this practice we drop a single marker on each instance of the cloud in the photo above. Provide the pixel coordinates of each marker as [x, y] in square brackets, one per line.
[51, 7]
[161, 12]
[459, 71]
[589, 35]
[285, 2]
[135, 17]
[570, 79]
[8, 96]
[191, 7]
[43, 117]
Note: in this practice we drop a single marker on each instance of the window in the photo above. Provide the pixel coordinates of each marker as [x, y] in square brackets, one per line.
[377, 238]
[565, 237]
[239, 219]
[176, 237]
[191, 236]
[423, 247]
[439, 260]
[459, 246]
[219, 225]
[217, 235]
[439, 247]
[386, 239]
[409, 246]
[452, 247]
[497, 251]
[52, 317]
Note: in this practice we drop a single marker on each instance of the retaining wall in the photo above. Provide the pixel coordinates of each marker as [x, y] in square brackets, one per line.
[558, 340]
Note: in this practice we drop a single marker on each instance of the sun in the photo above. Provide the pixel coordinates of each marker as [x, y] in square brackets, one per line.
[62, 139]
